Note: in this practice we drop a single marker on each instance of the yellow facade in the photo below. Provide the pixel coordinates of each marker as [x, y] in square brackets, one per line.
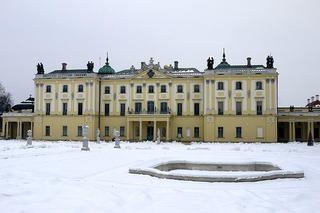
[182, 102]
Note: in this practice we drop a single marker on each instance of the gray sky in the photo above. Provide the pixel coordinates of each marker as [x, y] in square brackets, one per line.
[76, 31]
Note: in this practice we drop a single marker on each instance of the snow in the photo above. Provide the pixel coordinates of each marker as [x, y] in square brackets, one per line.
[58, 177]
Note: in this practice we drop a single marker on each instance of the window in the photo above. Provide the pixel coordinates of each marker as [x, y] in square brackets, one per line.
[258, 85]
[163, 107]
[259, 107]
[64, 131]
[196, 132]
[163, 132]
[137, 131]
[64, 108]
[163, 89]
[122, 89]
[196, 88]
[188, 132]
[238, 85]
[106, 131]
[47, 130]
[150, 89]
[139, 89]
[179, 109]
[220, 86]
[122, 109]
[220, 132]
[179, 89]
[150, 106]
[48, 88]
[121, 131]
[220, 108]
[179, 132]
[106, 90]
[259, 132]
[48, 108]
[196, 109]
[138, 108]
[106, 109]
[238, 108]
[238, 132]
[80, 88]
[79, 131]
[65, 88]
[80, 108]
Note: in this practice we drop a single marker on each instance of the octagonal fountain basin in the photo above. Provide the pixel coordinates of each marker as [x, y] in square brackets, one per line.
[216, 172]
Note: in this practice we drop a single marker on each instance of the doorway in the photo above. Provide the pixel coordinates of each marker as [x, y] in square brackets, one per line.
[150, 133]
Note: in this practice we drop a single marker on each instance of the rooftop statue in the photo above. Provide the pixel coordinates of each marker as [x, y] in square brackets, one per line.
[40, 69]
[90, 66]
[270, 62]
[210, 63]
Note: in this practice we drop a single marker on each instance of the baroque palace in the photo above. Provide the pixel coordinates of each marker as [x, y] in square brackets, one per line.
[237, 103]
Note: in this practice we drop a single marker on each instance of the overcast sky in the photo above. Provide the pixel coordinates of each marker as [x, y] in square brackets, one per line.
[76, 31]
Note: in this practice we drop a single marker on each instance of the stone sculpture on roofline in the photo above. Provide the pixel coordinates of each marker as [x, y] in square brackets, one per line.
[210, 63]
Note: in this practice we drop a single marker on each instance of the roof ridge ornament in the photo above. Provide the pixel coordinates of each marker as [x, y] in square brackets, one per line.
[107, 59]
[224, 56]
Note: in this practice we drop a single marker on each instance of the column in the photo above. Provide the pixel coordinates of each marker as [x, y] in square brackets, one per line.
[140, 130]
[31, 127]
[167, 131]
[7, 130]
[309, 129]
[293, 131]
[3, 128]
[290, 131]
[312, 129]
[18, 129]
[154, 130]
[128, 129]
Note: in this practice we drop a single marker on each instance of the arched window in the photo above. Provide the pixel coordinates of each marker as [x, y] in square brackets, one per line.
[80, 88]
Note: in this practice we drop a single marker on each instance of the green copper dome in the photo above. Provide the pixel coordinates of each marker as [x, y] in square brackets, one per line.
[106, 69]
[224, 64]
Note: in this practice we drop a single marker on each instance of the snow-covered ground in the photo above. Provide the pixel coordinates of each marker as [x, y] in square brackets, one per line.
[58, 177]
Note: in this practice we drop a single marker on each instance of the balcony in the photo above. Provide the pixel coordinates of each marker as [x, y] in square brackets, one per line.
[149, 115]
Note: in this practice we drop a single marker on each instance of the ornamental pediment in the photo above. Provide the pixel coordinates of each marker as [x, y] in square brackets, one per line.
[151, 74]
[151, 71]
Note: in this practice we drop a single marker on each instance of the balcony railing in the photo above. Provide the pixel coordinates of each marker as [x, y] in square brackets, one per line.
[149, 112]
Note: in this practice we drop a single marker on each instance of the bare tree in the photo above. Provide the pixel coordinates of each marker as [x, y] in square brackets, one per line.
[5, 100]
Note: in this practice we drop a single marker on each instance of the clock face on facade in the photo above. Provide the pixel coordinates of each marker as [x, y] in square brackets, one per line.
[150, 73]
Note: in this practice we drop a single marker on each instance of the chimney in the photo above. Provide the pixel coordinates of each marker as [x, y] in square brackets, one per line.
[143, 64]
[248, 62]
[317, 97]
[176, 65]
[64, 66]
[312, 99]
